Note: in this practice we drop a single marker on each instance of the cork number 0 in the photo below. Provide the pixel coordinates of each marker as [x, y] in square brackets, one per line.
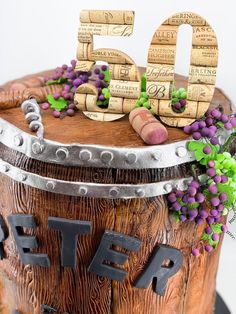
[125, 85]
[202, 73]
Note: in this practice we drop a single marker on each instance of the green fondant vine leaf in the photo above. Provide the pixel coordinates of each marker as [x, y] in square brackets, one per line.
[59, 104]
[61, 80]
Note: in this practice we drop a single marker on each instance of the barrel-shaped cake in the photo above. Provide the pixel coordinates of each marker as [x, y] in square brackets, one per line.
[86, 226]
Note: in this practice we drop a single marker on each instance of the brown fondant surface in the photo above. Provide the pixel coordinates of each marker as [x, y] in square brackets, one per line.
[80, 129]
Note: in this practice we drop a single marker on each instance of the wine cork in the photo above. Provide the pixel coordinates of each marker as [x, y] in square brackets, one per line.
[110, 56]
[84, 66]
[150, 129]
[200, 92]
[124, 72]
[160, 72]
[115, 105]
[177, 122]
[80, 101]
[202, 75]
[159, 90]
[162, 54]
[125, 89]
[107, 17]
[202, 108]
[204, 56]
[85, 37]
[129, 105]
[165, 35]
[186, 18]
[84, 51]
[91, 103]
[164, 108]
[106, 29]
[87, 89]
[100, 116]
[204, 36]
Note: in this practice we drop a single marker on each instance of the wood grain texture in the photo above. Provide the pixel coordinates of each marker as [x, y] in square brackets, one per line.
[76, 291]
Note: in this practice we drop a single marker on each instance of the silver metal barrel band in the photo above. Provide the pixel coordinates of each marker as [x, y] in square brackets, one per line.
[159, 156]
[109, 191]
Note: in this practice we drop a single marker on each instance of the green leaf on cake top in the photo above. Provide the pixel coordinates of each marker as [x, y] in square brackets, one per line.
[59, 104]
[200, 155]
[61, 80]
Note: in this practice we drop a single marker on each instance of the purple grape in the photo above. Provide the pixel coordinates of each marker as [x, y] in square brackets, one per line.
[220, 207]
[98, 83]
[214, 141]
[223, 197]
[194, 127]
[45, 106]
[217, 179]
[101, 76]
[217, 219]
[184, 210]
[211, 133]
[72, 76]
[228, 126]
[177, 106]
[215, 237]
[179, 193]
[195, 252]
[205, 132]
[215, 202]
[187, 129]
[70, 69]
[211, 164]
[209, 121]
[208, 230]
[199, 221]
[203, 214]
[84, 78]
[202, 124]
[55, 77]
[73, 63]
[213, 128]
[64, 67]
[210, 220]
[194, 184]
[56, 95]
[214, 212]
[176, 206]
[224, 228]
[183, 102]
[193, 213]
[224, 179]
[208, 248]
[70, 112]
[104, 67]
[200, 198]
[216, 114]
[72, 106]
[211, 172]
[213, 189]
[56, 114]
[97, 71]
[66, 88]
[196, 135]
[192, 191]
[101, 97]
[224, 118]
[185, 198]
[207, 150]
[182, 218]
[77, 82]
[191, 200]
[233, 122]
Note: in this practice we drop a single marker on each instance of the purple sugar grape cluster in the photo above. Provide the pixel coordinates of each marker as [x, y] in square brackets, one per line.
[208, 125]
[71, 80]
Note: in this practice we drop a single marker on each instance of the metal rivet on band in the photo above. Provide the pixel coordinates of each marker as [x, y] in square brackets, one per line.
[22, 176]
[131, 158]
[62, 153]
[114, 192]
[18, 140]
[106, 157]
[1, 129]
[37, 148]
[140, 193]
[181, 151]
[168, 187]
[83, 190]
[85, 155]
[50, 185]
[6, 168]
[157, 155]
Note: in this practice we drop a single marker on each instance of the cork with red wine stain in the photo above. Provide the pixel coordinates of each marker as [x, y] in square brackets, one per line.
[149, 128]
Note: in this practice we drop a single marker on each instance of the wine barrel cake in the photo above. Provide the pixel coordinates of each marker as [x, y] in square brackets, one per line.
[84, 213]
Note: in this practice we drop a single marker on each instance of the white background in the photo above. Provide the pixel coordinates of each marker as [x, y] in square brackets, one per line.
[42, 34]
